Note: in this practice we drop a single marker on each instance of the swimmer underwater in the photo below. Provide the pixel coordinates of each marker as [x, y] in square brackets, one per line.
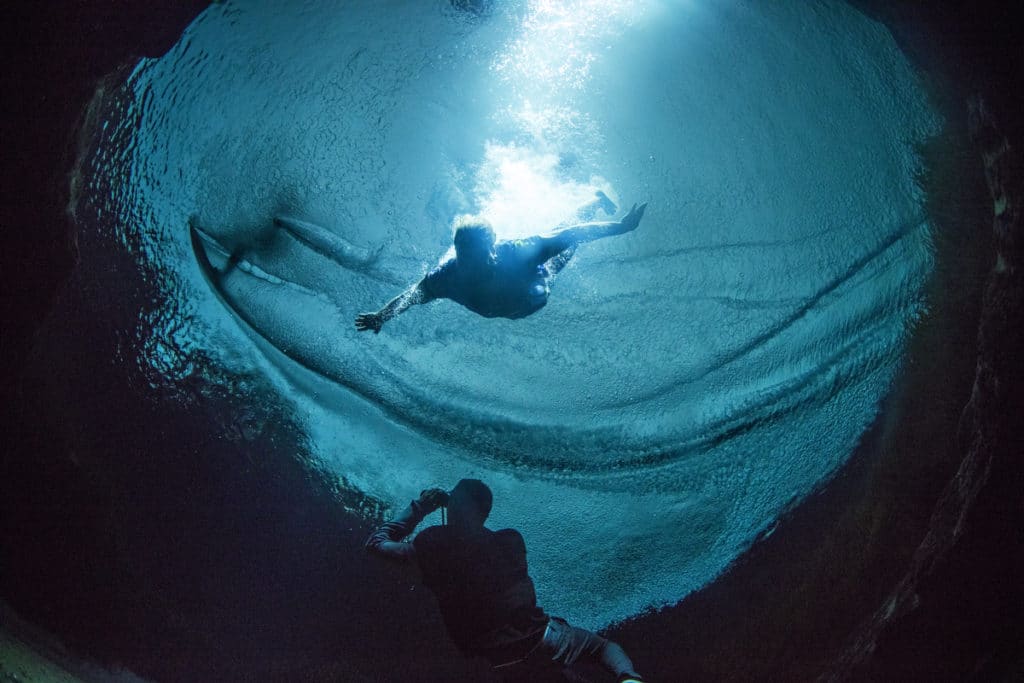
[503, 279]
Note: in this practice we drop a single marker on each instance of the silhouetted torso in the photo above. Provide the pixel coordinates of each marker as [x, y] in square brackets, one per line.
[514, 286]
[486, 597]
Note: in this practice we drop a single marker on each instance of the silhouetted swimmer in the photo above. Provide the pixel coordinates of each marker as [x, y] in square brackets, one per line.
[484, 591]
[507, 279]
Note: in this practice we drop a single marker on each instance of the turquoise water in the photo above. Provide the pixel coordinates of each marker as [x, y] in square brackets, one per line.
[685, 383]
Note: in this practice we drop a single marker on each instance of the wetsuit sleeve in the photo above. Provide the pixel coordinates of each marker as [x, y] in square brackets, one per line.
[533, 250]
[388, 541]
[567, 237]
[426, 291]
[540, 249]
[547, 248]
[437, 283]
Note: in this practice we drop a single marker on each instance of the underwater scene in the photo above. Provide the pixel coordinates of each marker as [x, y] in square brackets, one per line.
[739, 267]
[684, 384]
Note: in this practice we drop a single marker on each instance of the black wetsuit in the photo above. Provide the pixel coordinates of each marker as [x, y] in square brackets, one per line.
[486, 597]
[514, 286]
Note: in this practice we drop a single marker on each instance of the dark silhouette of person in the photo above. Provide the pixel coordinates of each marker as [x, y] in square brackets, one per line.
[506, 279]
[483, 589]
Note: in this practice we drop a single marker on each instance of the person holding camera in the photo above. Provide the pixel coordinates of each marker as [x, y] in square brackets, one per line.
[485, 594]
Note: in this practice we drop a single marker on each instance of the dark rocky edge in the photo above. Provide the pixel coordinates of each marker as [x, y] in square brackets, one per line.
[958, 622]
[906, 566]
[216, 559]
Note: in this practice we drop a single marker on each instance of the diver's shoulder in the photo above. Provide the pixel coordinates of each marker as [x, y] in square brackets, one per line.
[510, 536]
[432, 535]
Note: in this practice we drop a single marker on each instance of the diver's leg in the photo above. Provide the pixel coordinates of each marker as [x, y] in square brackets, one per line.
[615, 659]
[602, 651]
[566, 644]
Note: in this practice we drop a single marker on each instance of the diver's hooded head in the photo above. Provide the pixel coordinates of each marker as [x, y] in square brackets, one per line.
[469, 504]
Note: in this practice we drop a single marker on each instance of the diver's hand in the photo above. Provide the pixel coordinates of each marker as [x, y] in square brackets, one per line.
[632, 219]
[369, 321]
[431, 499]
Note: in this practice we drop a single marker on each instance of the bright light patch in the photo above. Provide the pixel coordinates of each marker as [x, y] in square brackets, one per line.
[560, 40]
[526, 188]
[552, 125]
[522, 194]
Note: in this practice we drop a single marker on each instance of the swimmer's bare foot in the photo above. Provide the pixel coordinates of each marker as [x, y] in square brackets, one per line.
[605, 203]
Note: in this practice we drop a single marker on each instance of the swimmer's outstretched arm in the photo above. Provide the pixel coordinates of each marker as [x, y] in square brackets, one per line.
[410, 297]
[585, 232]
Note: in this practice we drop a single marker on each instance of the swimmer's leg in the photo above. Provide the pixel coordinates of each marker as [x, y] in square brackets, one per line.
[588, 211]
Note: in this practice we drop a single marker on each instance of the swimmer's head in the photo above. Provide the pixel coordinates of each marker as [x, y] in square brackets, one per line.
[473, 237]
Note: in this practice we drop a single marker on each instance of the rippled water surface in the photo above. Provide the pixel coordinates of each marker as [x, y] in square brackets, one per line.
[685, 382]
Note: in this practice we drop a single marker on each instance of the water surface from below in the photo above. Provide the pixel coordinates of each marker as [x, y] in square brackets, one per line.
[685, 384]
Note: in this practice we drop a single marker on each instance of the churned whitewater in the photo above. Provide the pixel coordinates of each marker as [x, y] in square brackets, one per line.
[685, 383]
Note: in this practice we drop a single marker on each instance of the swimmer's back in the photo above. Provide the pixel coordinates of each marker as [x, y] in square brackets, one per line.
[515, 286]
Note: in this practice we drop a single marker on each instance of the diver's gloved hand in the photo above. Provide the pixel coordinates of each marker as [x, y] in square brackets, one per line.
[431, 499]
[632, 219]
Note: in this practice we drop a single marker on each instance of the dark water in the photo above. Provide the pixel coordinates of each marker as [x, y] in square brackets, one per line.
[213, 440]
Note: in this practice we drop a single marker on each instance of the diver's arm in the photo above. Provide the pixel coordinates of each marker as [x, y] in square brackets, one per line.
[374, 321]
[387, 539]
[586, 232]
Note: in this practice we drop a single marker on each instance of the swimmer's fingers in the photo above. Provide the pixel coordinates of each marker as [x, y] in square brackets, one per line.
[368, 321]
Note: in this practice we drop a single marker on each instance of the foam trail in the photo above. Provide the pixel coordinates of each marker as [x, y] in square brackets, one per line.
[230, 260]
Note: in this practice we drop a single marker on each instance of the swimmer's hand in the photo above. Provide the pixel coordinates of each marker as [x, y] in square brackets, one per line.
[632, 219]
[369, 321]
